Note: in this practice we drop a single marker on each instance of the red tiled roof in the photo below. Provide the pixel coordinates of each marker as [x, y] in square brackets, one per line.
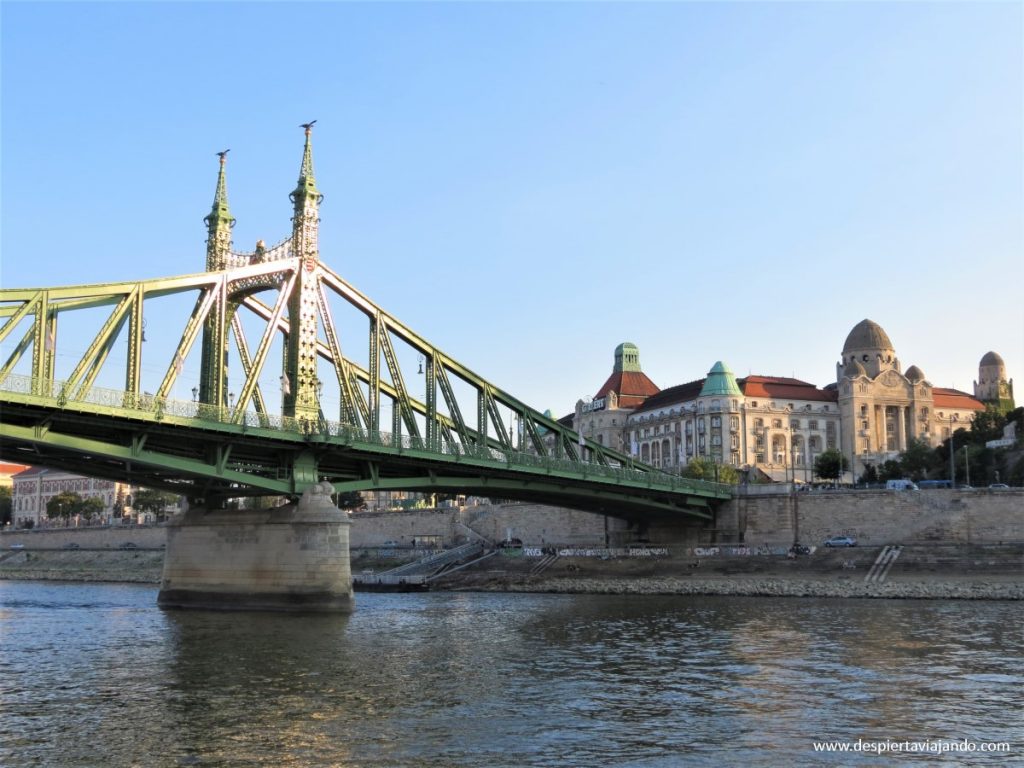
[631, 387]
[11, 469]
[954, 398]
[32, 472]
[680, 393]
[782, 388]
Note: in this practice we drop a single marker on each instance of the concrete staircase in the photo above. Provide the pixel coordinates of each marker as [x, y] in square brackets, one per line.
[419, 573]
[883, 564]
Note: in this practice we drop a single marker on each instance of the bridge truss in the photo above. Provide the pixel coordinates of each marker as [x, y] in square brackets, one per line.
[82, 389]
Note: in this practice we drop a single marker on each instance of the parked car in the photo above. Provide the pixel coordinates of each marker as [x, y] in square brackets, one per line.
[17, 546]
[129, 545]
[72, 545]
[999, 487]
[901, 485]
[841, 541]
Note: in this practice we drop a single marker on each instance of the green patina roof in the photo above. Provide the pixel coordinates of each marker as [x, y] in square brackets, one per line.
[219, 212]
[307, 181]
[627, 357]
[720, 381]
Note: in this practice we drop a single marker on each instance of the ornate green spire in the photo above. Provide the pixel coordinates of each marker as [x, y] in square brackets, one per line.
[219, 222]
[302, 397]
[306, 188]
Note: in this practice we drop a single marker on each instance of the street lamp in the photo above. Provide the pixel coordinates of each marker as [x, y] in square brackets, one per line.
[195, 394]
[967, 468]
[952, 464]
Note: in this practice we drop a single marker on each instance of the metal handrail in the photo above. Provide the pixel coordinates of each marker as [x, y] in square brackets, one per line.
[63, 395]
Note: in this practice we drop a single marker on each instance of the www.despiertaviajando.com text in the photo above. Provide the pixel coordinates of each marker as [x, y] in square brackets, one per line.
[927, 747]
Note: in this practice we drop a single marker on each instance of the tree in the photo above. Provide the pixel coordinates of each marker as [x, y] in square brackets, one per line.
[64, 504]
[149, 500]
[830, 464]
[870, 475]
[703, 468]
[890, 470]
[350, 500]
[917, 460]
[5, 506]
[988, 424]
[90, 507]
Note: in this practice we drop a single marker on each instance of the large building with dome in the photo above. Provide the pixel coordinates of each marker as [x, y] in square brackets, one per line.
[775, 427]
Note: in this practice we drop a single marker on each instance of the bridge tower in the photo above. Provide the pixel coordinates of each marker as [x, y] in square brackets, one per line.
[301, 384]
[219, 223]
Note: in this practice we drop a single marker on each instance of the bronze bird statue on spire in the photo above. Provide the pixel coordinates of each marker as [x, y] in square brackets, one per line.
[308, 125]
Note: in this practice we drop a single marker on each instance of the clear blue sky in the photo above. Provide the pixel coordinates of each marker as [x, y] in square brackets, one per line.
[529, 184]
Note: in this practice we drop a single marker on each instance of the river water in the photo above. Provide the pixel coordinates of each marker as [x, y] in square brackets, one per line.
[97, 675]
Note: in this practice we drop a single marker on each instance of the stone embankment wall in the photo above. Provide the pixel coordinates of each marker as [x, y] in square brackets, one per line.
[873, 517]
[90, 537]
[876, 517]
[533, 523]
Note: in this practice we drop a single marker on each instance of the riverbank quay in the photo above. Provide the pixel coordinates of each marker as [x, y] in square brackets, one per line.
[128, 566]
[920, 572]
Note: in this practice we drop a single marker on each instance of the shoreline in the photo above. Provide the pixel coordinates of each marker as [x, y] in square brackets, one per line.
[968, 578]
[946, 589]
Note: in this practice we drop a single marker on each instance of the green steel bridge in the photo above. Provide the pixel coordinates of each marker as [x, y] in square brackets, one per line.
[448, 430]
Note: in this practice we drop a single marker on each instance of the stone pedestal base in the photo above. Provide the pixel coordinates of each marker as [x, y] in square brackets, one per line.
[291, 558]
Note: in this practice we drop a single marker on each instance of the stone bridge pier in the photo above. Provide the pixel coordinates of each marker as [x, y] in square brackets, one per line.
[291, 558]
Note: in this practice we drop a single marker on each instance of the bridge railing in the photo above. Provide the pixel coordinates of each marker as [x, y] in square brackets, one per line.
[62, 395]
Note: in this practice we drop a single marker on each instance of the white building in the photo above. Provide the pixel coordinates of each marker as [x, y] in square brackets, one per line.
[35, 486]
[776, 427]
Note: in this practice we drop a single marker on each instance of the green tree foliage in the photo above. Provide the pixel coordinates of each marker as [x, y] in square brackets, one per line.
[830, 464]
[64, 504]
[6, 506]
[91, 507]
[918, 460]
[703, 468]
[870, 474]
[890, 470]
[149, 500]
[350, 500]
[987, 425]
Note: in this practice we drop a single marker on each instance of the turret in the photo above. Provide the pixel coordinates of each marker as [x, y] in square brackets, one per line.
[302, 396]
[306, 200]
[219, 223]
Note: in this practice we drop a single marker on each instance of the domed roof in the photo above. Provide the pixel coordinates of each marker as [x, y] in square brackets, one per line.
[720, 381]
[914, 374]
[867, 334]
[854, 369]
[991, 358]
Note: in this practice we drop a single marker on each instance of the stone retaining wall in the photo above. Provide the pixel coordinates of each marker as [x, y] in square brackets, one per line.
[877, 517]
[91, 537]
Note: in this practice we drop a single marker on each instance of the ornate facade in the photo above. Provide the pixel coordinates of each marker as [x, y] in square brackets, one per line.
[776, 427]
[883, 409]
[35, 486]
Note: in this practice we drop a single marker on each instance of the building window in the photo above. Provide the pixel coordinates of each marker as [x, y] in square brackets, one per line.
[734, 424]
[716, 421]
[794, 423]
[812, 424]
[776, 423]
[758, 423]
